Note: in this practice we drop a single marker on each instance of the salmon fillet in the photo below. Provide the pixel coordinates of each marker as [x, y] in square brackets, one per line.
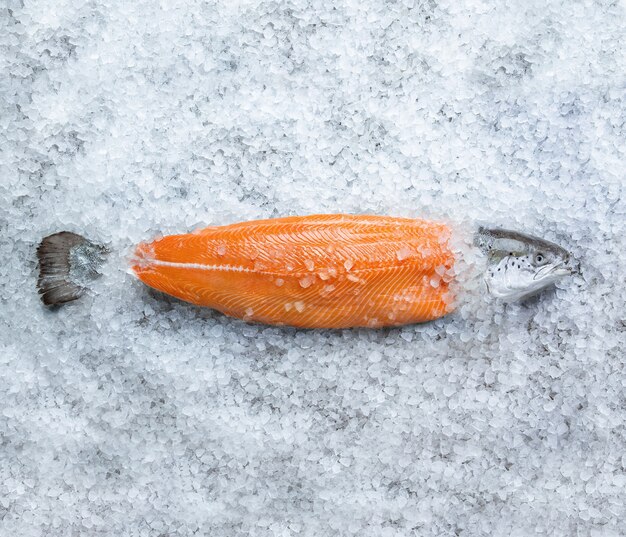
[319, 271]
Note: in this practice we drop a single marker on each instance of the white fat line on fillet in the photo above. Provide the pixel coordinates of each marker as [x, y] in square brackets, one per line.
[200, 266]
[236, 268]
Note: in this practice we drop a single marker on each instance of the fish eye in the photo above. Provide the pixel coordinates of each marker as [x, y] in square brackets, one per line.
[539, 258]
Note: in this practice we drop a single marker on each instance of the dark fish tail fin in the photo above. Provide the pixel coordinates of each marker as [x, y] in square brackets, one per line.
[68, 262]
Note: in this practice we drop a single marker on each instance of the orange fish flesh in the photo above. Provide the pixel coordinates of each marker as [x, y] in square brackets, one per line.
[319, 271]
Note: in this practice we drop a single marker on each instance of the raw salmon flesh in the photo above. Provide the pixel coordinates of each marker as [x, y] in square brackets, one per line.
[320, 271]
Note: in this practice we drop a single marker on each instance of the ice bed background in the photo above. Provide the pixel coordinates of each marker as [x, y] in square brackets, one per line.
[132, 414]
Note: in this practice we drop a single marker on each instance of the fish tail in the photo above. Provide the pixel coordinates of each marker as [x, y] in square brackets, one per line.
[68, 263]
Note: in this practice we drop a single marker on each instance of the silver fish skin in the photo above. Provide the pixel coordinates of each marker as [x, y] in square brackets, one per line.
[519, 265]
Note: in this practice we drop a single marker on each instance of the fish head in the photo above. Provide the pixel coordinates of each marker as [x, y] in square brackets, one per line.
[521, 265]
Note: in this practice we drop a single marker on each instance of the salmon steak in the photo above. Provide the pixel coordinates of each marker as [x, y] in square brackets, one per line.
[319, 271]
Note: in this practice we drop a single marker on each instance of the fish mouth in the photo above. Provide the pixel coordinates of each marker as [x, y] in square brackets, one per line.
[558, 271]
[563, 271]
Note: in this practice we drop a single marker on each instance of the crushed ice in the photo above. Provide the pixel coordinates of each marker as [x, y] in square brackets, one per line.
[129, 413]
